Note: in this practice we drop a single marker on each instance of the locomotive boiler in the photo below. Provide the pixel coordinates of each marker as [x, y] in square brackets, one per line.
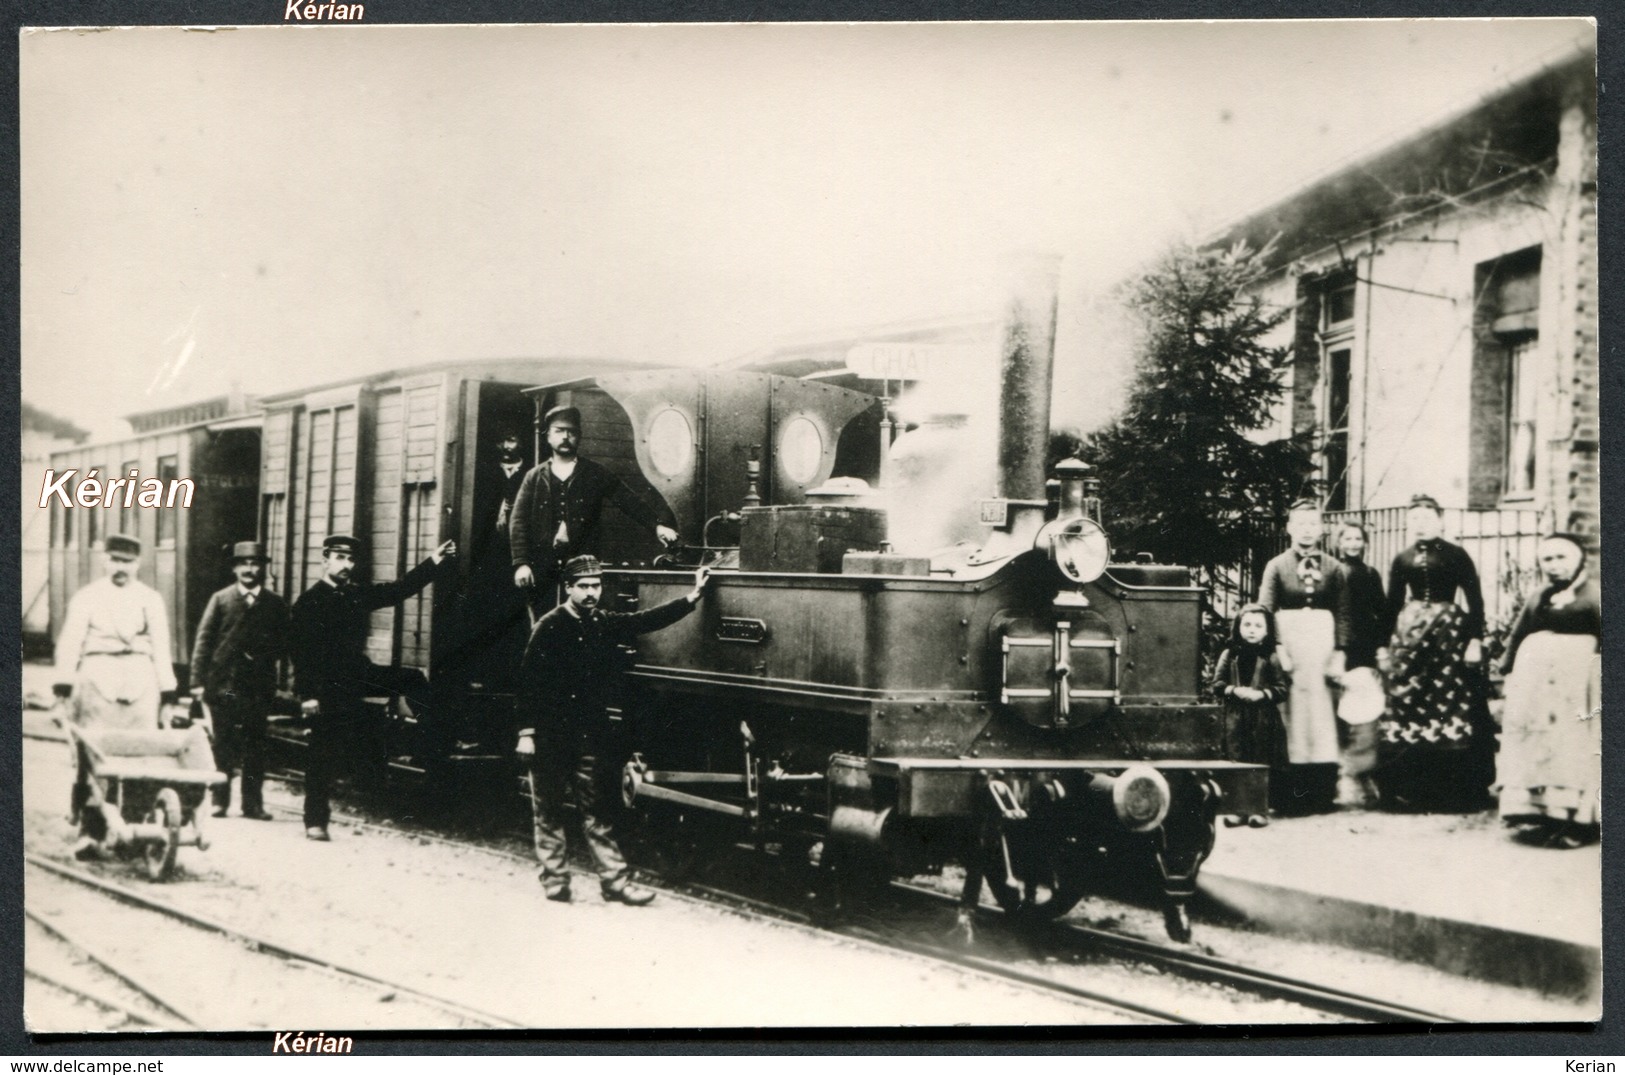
[1022, 705]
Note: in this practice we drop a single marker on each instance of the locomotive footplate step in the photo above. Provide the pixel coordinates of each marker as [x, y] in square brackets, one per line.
[1458, 892]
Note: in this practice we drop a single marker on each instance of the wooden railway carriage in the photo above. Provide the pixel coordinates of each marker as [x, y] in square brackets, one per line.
[216, 445]
[403, 459]
[397, 459]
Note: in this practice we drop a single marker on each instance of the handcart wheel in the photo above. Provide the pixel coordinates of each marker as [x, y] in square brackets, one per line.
[159, 855]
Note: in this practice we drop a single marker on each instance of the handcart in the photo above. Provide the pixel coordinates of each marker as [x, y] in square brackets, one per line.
[139, 791]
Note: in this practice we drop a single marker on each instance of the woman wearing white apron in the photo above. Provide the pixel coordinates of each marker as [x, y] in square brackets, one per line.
[1306, 590]
[1549, 771]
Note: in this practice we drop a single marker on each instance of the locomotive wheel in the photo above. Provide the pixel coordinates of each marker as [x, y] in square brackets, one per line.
[159, 855]
[1049, 883]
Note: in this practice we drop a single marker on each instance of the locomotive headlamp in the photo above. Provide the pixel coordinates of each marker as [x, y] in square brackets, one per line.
[1080, 549]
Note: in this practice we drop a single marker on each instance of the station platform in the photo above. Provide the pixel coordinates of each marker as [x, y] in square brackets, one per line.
[1456, 892]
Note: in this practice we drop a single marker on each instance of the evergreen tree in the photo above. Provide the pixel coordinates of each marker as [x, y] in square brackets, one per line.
[1187, 476]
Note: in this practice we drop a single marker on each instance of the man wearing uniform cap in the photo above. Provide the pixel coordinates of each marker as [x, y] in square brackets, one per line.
[565, 680]
[556, 514]
[113, 662]
[243, 634]
[331, 672]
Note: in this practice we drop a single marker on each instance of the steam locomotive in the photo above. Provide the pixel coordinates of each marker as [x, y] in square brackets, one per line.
[1020, 704]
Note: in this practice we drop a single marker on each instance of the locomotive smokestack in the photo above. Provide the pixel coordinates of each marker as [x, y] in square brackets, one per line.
[1027, 373]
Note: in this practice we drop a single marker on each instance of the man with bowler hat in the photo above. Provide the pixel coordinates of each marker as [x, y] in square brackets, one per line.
[243, 634]
[331, 672]
[556, 514]
[569, 668]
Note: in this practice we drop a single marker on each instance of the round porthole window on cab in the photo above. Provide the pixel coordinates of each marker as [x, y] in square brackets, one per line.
[671, 443]
[801, 449]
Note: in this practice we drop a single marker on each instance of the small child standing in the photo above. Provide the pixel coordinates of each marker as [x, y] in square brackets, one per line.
[1249, 681]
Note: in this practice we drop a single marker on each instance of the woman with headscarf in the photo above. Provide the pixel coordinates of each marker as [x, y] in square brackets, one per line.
[1434, 749]
[1304, 588]
[1550, 764]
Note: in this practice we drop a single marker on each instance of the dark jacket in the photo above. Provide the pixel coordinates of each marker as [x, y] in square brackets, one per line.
[1581, 614]
[235, 655]
[1284, 588]
[1434, 570]
[571, 664]
[537, 513]
[491, 529]
[330, 625]
[1369, 625]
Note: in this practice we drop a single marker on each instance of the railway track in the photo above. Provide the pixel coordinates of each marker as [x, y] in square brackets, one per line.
[1081, 939]
[137, 980]
[1056, 939]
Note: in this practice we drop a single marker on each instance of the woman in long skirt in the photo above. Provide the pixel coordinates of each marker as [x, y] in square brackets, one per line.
[1550, 766]
[1304, 588]
[1435, 748]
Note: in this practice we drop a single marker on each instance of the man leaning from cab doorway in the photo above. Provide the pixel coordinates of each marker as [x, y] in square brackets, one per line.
[565, 682]
[558, 507]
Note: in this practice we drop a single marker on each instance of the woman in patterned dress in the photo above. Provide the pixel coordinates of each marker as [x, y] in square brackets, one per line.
[1550, 766]
[1435, 749]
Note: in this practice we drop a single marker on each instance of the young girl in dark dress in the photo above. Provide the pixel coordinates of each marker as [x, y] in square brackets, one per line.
[1249, 681]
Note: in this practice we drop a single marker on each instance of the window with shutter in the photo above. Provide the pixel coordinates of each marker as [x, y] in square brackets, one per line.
[1506, 379]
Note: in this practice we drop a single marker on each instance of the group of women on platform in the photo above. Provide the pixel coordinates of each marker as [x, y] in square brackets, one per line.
[1356, 694]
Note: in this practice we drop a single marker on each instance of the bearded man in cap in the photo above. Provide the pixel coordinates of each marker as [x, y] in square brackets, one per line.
[113, 655]
[243, 634]
[556, 514]
[332, 674]
[569, 669]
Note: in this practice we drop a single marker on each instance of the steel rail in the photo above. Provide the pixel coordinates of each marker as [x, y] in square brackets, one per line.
[1316, 995]
[95, 997]
[999, 970]
[710, 896]
[128, 895]
[1313, 995]
[123, 974]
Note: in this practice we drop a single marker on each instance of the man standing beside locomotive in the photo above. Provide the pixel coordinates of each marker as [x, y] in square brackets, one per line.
[556, 514]
[243, 634]
[565, 680]
[331, 671]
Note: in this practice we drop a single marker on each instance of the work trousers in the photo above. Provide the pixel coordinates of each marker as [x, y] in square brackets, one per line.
[331, 746]
[239, 749]
[564, 771]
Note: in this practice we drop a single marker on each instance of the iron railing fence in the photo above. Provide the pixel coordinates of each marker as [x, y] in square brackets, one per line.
[1501, 542]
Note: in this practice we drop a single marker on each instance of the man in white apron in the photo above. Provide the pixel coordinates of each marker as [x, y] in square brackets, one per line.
[112, 662]
[114, 648]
